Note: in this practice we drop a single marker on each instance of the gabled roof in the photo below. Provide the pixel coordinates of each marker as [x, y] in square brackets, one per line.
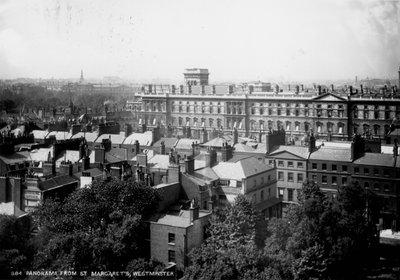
[206, 173]
[290, 152]
[329, 97]
[145, 139]
[94, 172]
[115, 138]
[9, 208]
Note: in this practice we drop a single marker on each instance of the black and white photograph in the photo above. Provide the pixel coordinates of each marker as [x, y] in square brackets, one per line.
[210, 140]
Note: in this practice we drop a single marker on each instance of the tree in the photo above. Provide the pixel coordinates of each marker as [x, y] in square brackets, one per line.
[230, 252]
[96, 228]
[15, 249]
[323, 237]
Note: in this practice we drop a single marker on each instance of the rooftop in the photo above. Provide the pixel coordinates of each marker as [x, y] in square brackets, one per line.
[181, 220]
[332, 154]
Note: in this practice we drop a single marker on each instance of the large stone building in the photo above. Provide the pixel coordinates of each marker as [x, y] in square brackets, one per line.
[331, 113]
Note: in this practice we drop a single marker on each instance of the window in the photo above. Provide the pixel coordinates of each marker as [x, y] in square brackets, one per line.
[334, 180]
[377, 187]
[386, 172]
[171, 256]
[269, 178]
[171, 238]
[334, 167]
[376, 171]
[344, 168]
[271, 162]
[314, 166]
[299, 165]
[356, 170]
[344, 180]
[366, 171]
[262, 195]
[314, 178]
[290, 163]
[324, 166]
[290, 195]
[300, 177]
[280, 192]
[280, 163]
[386, 188]
[280, 176]
[290, 177]
[324, 179]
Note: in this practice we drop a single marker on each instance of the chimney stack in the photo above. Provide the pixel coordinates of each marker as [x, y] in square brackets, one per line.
[311, 145]
[194, 211]
[189, 165]
[162, 148]
[136, 147]
[319, 89]
[235, 136]
[128, 129]
[297, 89]
[203, 135]
[395, 149]
[226, 152]
[362, 89]
[210, 157]
[332, 88]
[351, 90]
[85, 163]
[49, 168]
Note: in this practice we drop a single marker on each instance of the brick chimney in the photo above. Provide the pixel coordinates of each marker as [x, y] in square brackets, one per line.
[136, 147]
[128, 129]
[194, 211]
[311, 144]
[226, 152]
[162, 148]
[210, 157]
[235, 136]
[174, 171]
[99, 155]
[66, 168]
[116, 172]
[189, 165]
[49, 168]
[85, 162]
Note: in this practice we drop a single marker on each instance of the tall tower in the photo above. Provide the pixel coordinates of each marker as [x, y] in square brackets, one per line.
[196, 77]
[81, 79]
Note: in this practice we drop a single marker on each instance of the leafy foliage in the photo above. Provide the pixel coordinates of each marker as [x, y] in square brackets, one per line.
[96, 228]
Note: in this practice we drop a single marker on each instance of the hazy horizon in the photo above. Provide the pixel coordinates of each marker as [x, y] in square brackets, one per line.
[236, 40]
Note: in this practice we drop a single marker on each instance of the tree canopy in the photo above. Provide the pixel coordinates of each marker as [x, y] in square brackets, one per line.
[96, 228]
[322, 237]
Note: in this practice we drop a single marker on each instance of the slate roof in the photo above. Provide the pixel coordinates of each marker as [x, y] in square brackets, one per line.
[41, 154]
[68, 155]
[159, 161]
[145, 139]
[57, 181]
[169, 142]
[378, 160]
[17, 157]
[39, 134]
[116, 155]
[300, 151]
[216, 142]
[241, 169]
[243, 148]
[331, 154]
[9, 208]
[186, 143]
[207, 173]
[115, 138]
[89, 136]
[181, 220]
[60, 135]
[94, 172]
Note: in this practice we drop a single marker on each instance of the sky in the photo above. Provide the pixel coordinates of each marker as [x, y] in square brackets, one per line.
[237, 40]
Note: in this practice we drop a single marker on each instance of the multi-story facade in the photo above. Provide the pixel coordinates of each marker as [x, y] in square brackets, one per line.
[330, 113]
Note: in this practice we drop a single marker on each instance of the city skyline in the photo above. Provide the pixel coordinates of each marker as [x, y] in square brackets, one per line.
[237, 41]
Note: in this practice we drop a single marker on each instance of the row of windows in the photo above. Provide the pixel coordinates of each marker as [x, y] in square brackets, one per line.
[344, 168]
[281, 163]
[290, 177]
[254, 198]
[290, 193]
[333, 180]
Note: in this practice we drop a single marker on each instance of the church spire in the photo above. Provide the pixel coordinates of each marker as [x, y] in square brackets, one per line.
[81, 79]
